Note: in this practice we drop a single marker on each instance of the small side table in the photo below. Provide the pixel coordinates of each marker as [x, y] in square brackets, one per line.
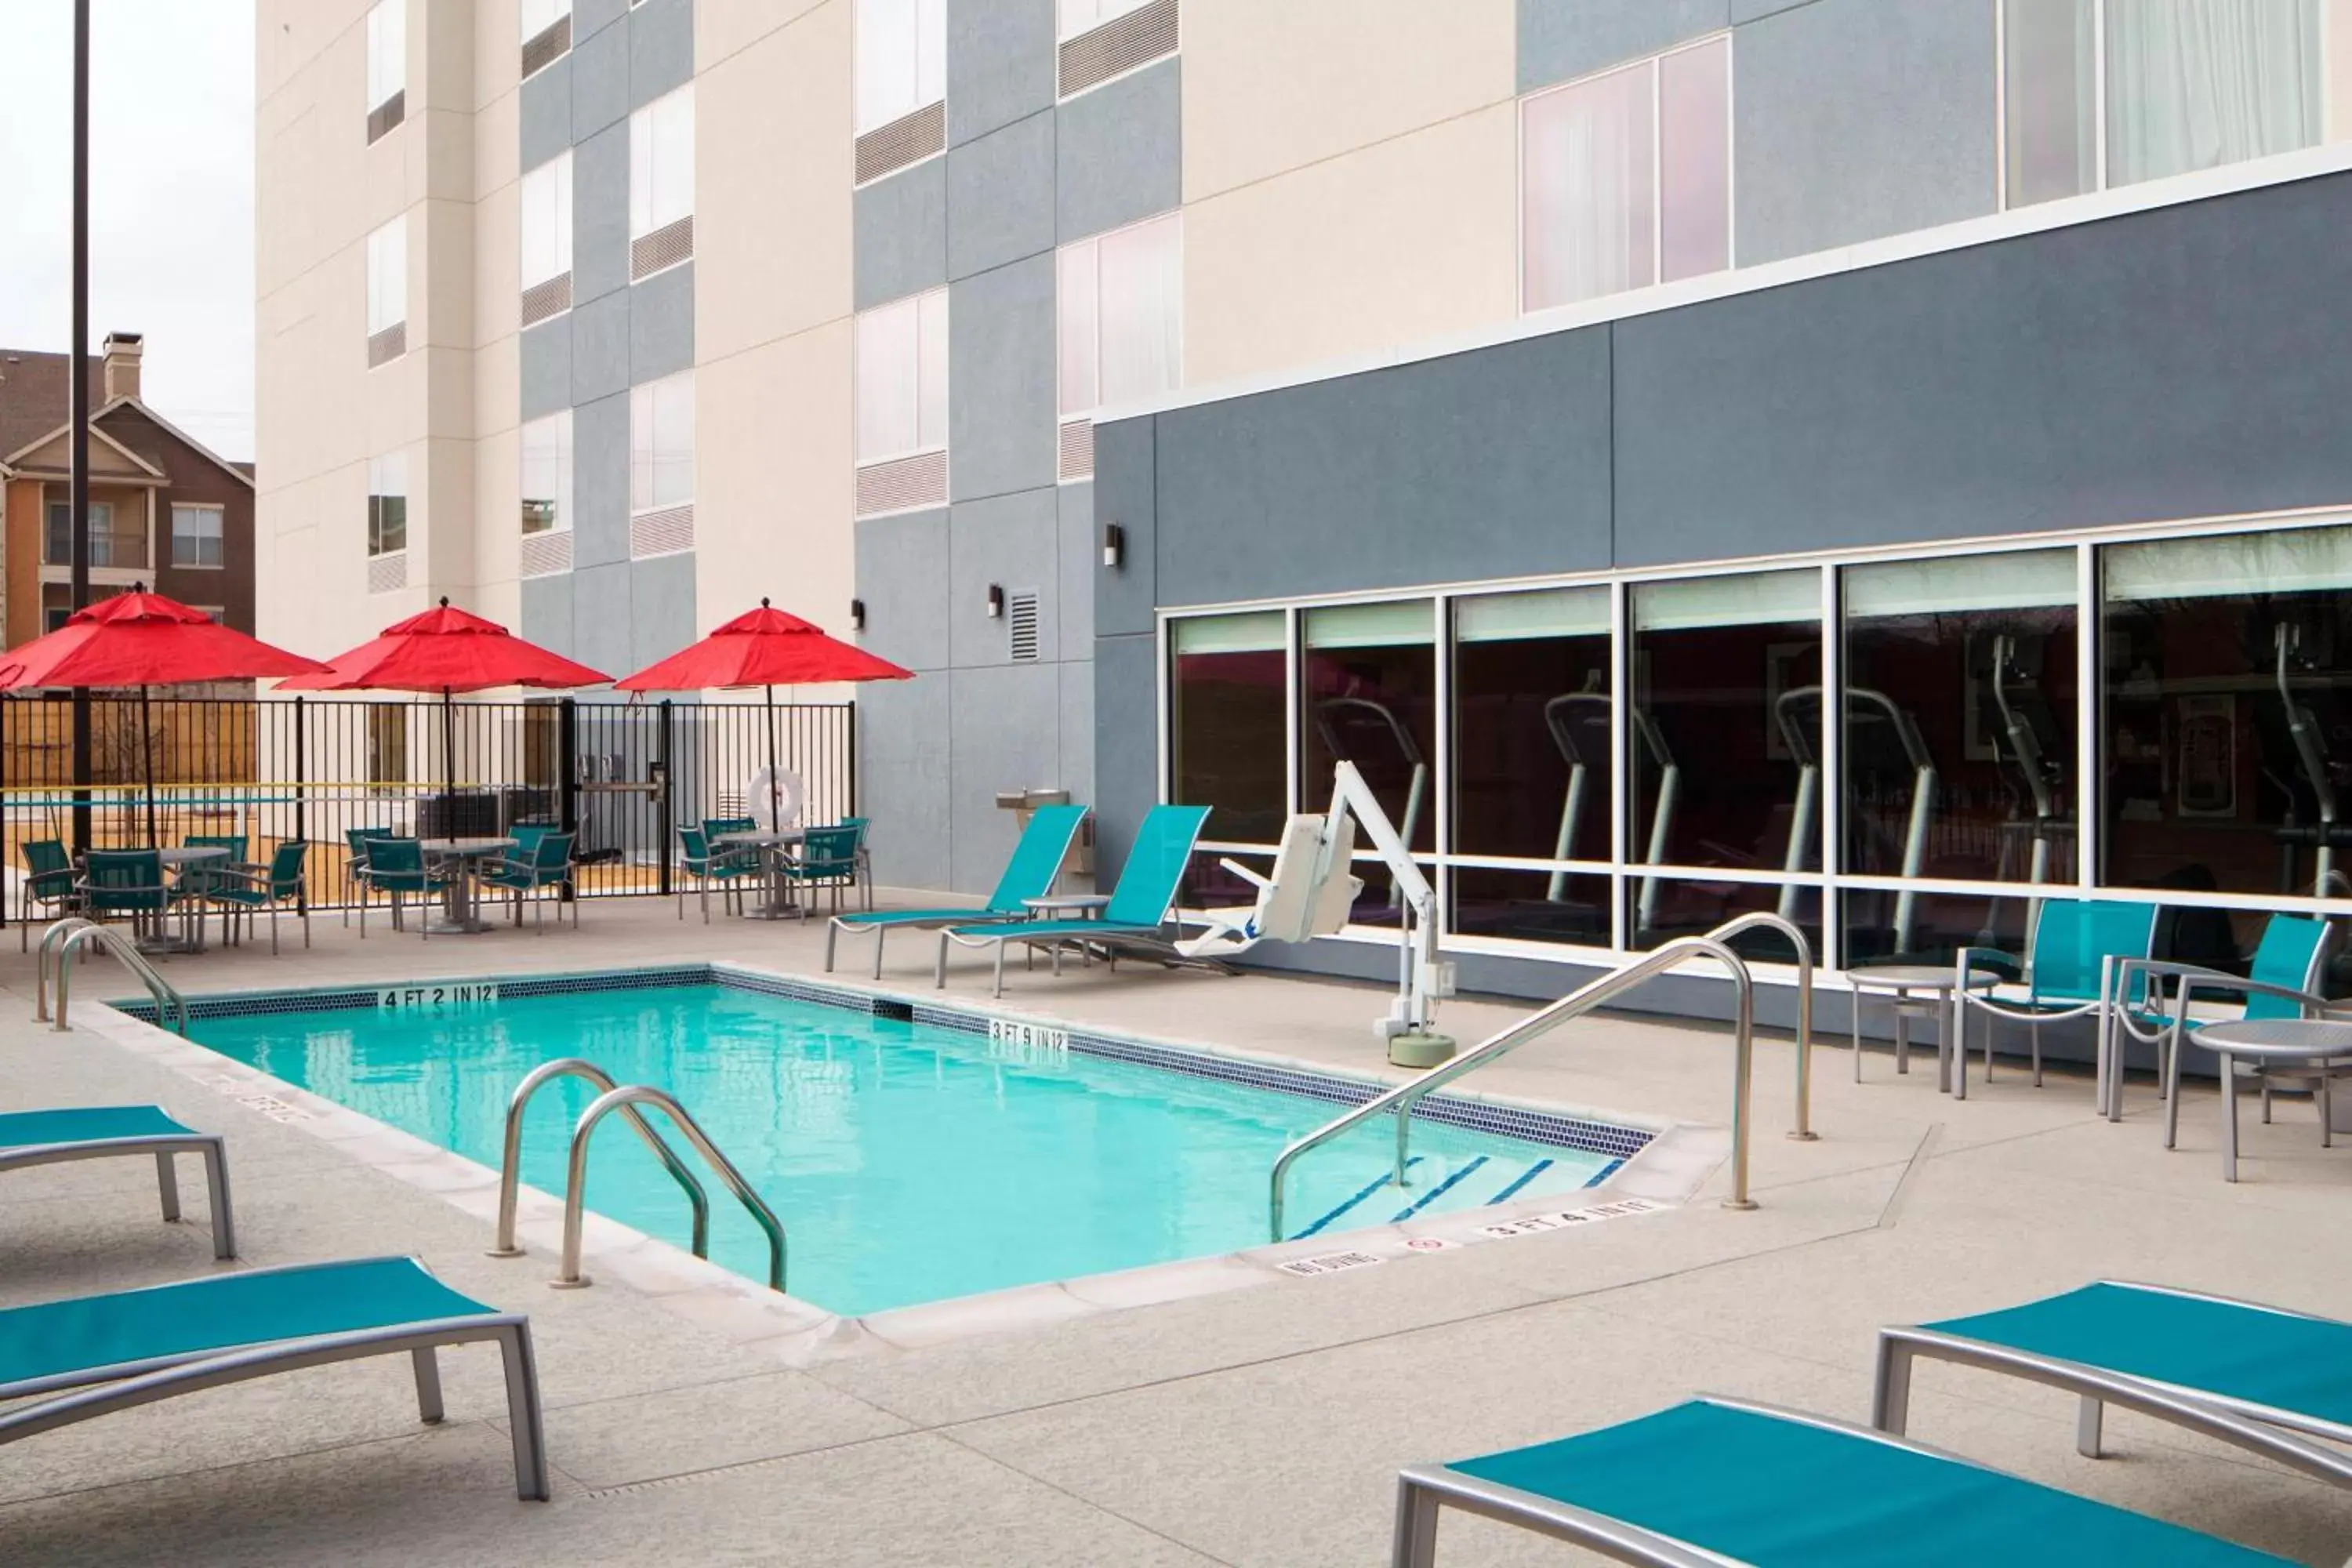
[2307, 1040]
[1078, 907]
[1914, 991]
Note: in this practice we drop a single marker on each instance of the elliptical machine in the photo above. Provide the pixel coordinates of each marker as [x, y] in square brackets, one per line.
[1869, 713]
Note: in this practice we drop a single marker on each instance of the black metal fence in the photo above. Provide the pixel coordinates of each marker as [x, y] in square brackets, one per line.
[625, 775]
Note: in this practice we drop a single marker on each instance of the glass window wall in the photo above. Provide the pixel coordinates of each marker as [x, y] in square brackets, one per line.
[1368, 696]
[1227, 725]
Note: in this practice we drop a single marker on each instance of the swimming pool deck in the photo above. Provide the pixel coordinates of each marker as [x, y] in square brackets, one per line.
[1260, 1425]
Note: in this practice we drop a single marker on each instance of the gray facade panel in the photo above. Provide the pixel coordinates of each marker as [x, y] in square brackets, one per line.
[1743, 11]
[1125, 478]
[1081, 562]
[1001, 196]
[902, 742]
[1485, 464]
[902, 576]
[1001, 64]
[1002, 391]
[1127, 766]
[1012, 540]
[2188, 361]
[600, 481]
[600, 611]
[547, 612]
[600, 348]
[1831, 154]
[545, 111]
[599, 79]
[1119, 152]
[546, 367]
[661, 609]
[1077, 773]
[661, 324]
[590, 16]
[902, 234]
[661, 49]
[600, 214]
[1005, 728]
[1563, 40]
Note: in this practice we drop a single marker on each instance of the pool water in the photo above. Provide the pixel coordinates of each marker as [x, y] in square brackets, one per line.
[909, 1162]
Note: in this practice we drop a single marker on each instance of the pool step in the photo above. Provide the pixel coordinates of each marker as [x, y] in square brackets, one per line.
[1436, 1185]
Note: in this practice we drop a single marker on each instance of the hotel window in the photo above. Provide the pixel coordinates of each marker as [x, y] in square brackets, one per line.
[1367, 695]
[387, 66]
[1625, 178]
[546, 474]
[197, 536]
[661, 184]
[1122, 327]
[387, 293]
[545, 242]
[902, 404]
[902, 84]
[111, 544]
[2185, 84]
[1725, 772]
[1227, 729]
[661, 466]
[387, 514]
[546, 32]
[1104, 38]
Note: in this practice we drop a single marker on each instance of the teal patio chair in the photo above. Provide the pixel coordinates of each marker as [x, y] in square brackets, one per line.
[1030, 874]
[2069, 973]
[1722, 1481]
[526, 835]
[397, 866]
[47, 885]
[864, 825]
[356, 887]
[546, 863]
[828, 859]
[2151, 1349]
[244, 889]
[194, 885]
[151, 1344]
[2282, 982]
[30, 1137]
[124, 884]
[727, 868]
[1137, 907]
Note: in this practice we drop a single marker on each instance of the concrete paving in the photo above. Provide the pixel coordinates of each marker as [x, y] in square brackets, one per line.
[1261, 1426]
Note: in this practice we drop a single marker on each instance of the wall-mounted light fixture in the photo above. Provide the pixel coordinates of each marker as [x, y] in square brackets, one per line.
[995, 602]
[1114, 545]
[856, 615]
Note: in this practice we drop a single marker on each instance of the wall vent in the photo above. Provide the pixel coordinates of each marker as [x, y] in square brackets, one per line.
[1078, 450]
[545, 555]
[1118, 45]
[387, 345]
[551, 44]
[551, 298]
[909, 138]
[386, 572]
[665, 246]
[903, 484]
[663, 533]
[387, 115]
[1021, 621]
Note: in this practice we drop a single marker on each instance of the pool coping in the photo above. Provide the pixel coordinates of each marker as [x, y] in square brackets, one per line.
[1664, 1173]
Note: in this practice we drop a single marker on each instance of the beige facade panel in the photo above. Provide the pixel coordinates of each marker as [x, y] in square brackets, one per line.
[1274, 86]
[498, 522]
[1402, 241]
[773, 478]
[725, 28]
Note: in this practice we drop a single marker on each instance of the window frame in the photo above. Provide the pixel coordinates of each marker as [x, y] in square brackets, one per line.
[555, 172]
[918, 306]
[644, 145]
[563, 458]
[648, 457]
[382, 470]
[387, 246]
[1064, 413]
[390, 70]
[219, 535]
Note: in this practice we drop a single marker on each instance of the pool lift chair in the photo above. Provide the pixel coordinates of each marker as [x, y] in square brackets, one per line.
[1423, 975]
[1309, 894]
[1868, 711]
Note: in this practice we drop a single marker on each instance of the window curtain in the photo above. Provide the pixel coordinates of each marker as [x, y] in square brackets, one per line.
[2194, 84]
[1592, 185]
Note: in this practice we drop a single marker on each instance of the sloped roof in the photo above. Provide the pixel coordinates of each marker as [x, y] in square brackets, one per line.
[33, 389]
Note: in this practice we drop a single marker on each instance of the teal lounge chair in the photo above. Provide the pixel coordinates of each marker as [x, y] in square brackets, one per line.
[103, 1131]
[1136, 906]
[2069, 973]
[1717, 1482]
[1036, 861]
[149, 1344]
[2154, 1350]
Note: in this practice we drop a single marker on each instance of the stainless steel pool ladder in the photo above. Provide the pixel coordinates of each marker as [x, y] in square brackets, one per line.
[58, 946]
[1593, 994]
[612, 1097]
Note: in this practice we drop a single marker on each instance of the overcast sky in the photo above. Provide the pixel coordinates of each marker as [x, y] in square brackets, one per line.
[171, 211]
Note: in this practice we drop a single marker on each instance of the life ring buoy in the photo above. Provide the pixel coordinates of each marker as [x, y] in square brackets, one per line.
[776, 809]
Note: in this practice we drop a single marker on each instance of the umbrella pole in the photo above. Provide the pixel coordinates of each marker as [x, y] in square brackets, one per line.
[775, 782]
[448, 762]
[147, 767]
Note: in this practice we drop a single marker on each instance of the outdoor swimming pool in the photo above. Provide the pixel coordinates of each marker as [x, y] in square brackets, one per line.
[909, 1161]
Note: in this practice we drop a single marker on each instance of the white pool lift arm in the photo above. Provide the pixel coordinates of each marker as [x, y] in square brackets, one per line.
[1423, 977]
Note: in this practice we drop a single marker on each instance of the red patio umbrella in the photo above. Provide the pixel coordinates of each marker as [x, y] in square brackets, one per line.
[447, 650]
[144, 639]
[764, 648]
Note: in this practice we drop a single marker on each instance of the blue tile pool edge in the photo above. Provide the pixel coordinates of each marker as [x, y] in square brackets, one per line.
[1525, 1123]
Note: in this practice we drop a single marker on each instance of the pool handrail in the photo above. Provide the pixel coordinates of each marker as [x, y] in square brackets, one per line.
[75, 932]
[575, 1181]
[1765, 919]
[511, 1157]
[1593, 994]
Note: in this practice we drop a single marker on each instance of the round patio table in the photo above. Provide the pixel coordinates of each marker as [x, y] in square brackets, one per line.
[191, 916]
[2259, 1040]
[461, 895]
[1915, 991]
[772, 846]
